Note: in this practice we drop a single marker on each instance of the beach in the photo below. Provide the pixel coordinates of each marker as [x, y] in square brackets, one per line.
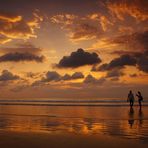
[40, 140]
[73, 126]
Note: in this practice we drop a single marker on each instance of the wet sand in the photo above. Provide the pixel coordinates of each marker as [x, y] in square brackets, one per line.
[73, 127]
[44, 140]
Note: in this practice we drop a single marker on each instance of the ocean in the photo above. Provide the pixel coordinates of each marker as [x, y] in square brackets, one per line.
[70, 102]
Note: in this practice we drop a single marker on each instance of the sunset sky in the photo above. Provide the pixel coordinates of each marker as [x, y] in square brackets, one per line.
[73, 49]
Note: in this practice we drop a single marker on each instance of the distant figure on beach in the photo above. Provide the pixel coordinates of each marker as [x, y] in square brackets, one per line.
[130, 98]
[140, 98]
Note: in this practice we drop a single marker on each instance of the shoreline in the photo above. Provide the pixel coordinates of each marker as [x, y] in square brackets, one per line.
[68, 105]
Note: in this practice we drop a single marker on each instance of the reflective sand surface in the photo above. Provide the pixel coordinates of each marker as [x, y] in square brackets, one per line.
[118, 122]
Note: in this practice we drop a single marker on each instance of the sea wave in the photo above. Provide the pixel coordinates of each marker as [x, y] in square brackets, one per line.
[55, 102]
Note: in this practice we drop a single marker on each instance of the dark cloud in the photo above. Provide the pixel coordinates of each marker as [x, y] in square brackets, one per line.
[33, 75]
[142, 62]
[120, 62]
[133, 75]
[22, 48]
[74, 76]
[51, 76]
[114, 73]
[54, 76]
[114, 79]
[19, 57]
[138, 57]
[77, 75]
[7, 76]
[136, 41]
[66, 77]
[92, 80]
[79, 58]
[142, 38]
[139, 60]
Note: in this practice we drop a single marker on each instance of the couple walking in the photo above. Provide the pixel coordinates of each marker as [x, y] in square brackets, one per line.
[131, 98]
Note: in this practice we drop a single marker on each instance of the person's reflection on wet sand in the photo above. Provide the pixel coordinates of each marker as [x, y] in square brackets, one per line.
[140, 117]
[131, 117]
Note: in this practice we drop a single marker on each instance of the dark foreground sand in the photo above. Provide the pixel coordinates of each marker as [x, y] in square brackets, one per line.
[46, 140]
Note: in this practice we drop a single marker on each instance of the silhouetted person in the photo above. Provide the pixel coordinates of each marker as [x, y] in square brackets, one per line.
[130, 98]
[140, 98]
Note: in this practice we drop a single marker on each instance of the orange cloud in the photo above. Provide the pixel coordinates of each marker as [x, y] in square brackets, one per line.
[104, 43]
[126, 29]
[84, 32]
[135, 8]
[9, 17]
[102, 19]
[105, 22]
[16, 27]
[17, 30]
[4, 40]
[34, 23]
[79, 28]
[64, 19]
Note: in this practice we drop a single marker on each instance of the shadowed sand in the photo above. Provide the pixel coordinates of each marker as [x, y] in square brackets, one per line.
[40, 140]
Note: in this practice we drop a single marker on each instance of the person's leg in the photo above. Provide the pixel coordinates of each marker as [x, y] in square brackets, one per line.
[140, 103]
[131, 103]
